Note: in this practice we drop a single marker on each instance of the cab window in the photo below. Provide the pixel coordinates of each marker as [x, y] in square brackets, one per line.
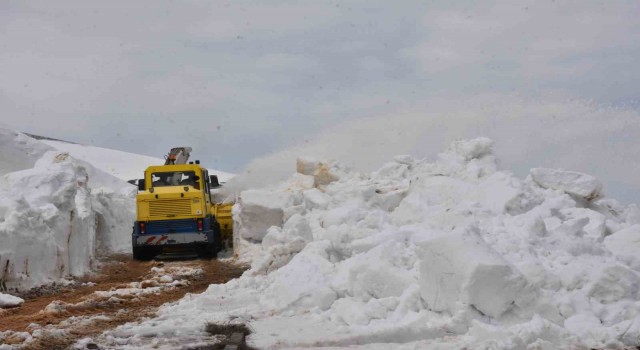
[174, 178]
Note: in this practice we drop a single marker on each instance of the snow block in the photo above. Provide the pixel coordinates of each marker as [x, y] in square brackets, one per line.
[321, 171]
[625, 243]
[259, 210]
[303, 283]
[391, 171]
[300, 182]
[306, 165]
[7, 301]
[461, 267]
[572, 182]
[315, 199]
[324, 175]
[614, 283]
[501, 193]
[472, 149]
[389, 197]
[374, 274]
[631, 337]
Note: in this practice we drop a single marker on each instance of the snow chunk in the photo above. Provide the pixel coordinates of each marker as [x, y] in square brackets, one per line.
[625, 243]
[306, 165]
[7, 301]
[302, 284]
[461, 267]
[471, 159]
[501, 193]
[323, 173]
[472, 149]
[260, 209]
[614, 283]
[314, 198]
[282, 244]
[572, 182]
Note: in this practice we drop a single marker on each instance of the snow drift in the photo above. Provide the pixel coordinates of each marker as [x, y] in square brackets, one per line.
[56, 213]
[447, 254]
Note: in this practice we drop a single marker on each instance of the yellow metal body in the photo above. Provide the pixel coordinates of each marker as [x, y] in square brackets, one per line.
[172, 202]
[222, 213]
[181, 202]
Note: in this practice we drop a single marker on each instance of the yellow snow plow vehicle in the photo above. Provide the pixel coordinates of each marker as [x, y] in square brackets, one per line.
[175, 209]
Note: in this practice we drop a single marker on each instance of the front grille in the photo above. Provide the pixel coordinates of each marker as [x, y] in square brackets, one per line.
[169, 208]
[171, 226]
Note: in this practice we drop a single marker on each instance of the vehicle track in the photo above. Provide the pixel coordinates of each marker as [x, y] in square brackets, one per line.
[78, 319]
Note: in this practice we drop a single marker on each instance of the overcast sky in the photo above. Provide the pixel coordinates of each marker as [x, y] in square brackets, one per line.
[555, 83]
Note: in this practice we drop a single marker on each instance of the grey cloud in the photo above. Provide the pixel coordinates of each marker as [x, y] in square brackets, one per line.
[242, 80]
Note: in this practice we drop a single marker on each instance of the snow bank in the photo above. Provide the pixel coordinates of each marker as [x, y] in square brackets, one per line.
[123, 165]
[447, 254]
[57, 215]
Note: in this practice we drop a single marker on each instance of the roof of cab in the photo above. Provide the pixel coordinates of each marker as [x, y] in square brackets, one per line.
[176, 167]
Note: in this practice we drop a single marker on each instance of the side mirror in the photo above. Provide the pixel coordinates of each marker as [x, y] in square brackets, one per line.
[213, 179]
[141, 185]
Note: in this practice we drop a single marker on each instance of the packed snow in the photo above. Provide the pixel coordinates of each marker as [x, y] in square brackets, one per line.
[450, 253]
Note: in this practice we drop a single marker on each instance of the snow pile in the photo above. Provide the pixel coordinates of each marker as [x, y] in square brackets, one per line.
[57, 214]
[446, 254]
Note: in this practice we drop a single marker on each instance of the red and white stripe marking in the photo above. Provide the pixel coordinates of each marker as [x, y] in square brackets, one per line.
[160, 240]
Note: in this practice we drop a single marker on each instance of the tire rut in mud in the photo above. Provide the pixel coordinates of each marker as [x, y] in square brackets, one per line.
[119, 272]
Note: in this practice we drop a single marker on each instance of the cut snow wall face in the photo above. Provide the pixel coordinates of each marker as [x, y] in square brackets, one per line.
[49, 230]
[258, 211]
[461, 267]
[49, 221]
[115, 215]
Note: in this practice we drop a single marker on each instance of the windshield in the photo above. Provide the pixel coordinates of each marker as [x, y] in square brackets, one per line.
[174, 178]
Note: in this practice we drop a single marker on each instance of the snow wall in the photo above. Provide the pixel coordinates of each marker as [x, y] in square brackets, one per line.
[423, 255]
[56, 213]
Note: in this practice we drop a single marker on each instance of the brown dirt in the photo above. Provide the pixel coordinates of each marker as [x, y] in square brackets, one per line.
[115, 274]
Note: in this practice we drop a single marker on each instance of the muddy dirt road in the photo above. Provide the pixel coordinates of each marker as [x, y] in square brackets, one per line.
[123, 291]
